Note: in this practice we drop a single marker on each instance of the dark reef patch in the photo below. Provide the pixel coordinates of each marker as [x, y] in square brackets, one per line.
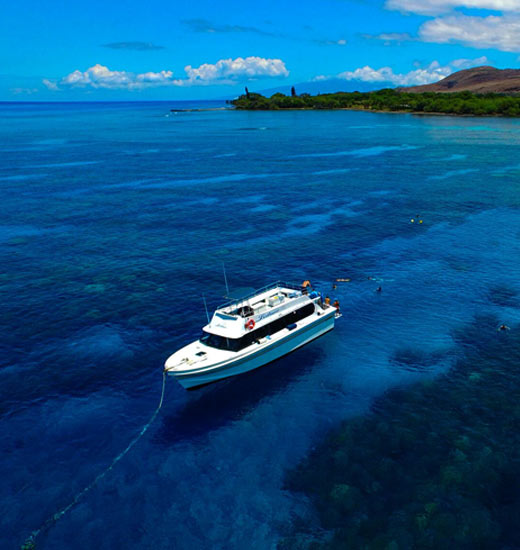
[504, 296]
[416, 359]
[433, 465]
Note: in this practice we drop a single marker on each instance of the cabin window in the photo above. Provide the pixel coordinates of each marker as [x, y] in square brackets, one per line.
[221, 342]
[215, 341]
[237, 344]
[278, 324]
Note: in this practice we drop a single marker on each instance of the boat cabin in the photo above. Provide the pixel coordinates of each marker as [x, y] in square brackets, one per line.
[240, 323]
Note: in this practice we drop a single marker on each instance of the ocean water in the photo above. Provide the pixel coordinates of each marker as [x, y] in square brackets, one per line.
[115, 219]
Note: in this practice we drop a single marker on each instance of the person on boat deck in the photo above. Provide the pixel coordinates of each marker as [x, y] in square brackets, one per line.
[327, 301]
[336, 305]
[306, 286]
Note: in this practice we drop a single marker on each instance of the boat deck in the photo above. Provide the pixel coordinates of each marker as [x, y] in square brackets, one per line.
[262, 300]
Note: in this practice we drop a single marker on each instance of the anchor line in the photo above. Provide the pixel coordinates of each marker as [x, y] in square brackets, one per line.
[30, 543]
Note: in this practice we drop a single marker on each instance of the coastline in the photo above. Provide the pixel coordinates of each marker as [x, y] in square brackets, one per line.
[381, 111]
[389, 101]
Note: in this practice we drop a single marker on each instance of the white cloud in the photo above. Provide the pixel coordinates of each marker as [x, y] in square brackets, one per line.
[340, 42]
[50, 84]
[422, 75]
[501, 32]
[432, 73]
[156, 79]
[234, 69]
[468, 63]
[224, 71]
[436, 7]
[389, 37]
[99, 76]
[497, 32]
[24, 91]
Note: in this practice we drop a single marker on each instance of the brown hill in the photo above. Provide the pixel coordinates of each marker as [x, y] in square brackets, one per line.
[480, 80]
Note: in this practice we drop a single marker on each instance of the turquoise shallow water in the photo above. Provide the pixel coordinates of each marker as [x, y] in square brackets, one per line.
[116, 218]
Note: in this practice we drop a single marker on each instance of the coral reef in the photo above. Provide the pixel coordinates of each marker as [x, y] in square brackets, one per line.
[433, 465]
[415, 359]
[504, 296]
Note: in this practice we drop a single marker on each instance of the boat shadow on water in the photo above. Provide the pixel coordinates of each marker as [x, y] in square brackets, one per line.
[217, 404]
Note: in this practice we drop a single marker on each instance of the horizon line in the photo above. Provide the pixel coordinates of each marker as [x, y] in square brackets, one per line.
[107, 100]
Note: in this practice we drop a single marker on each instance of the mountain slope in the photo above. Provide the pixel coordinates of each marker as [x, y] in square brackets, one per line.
[480, 80]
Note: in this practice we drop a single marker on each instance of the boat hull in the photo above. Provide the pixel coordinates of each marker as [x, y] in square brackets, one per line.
[264, 355]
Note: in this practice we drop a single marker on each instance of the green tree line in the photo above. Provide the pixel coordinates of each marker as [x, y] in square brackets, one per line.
[459, 103]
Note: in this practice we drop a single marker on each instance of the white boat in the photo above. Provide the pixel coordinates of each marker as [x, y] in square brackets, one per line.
[250, 332]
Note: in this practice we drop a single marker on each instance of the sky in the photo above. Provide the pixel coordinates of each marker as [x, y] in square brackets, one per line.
[62, 50]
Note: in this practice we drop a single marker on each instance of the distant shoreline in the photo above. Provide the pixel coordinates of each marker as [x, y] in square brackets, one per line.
[388, 101]
[379, 111]
[360, 109]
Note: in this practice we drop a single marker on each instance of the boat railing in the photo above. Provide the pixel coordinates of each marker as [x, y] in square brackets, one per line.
[244, 299]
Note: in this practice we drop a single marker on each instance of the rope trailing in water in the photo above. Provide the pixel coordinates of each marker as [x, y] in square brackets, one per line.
[30, 543]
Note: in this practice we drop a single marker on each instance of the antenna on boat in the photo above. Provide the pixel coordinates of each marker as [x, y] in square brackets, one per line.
[225, 279]
[205, 307]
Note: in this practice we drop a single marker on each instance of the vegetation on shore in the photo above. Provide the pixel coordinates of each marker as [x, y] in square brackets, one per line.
[434, 465]
[457, 103]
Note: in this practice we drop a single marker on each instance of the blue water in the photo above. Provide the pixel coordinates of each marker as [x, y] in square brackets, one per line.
[116, 218]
